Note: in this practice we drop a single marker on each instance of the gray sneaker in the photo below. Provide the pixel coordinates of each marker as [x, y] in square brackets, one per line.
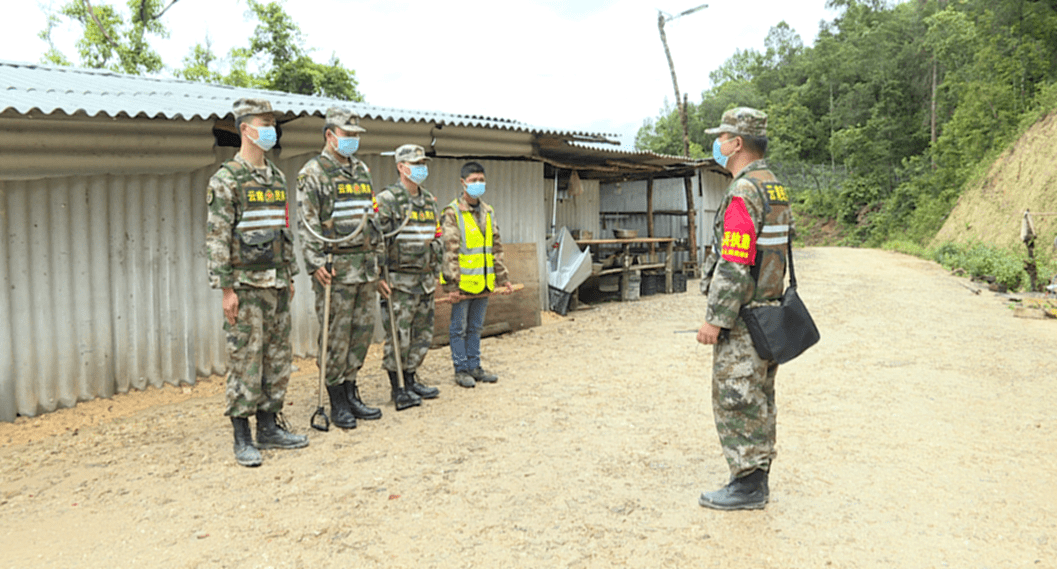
[483, 376]
[464, 379]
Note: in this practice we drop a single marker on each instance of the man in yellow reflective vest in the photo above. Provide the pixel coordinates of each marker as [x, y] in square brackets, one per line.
[473, 265]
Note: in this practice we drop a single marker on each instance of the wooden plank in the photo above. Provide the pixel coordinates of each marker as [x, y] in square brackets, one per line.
[519, 310]
[624, 241]
[629, 213]
[443, 299]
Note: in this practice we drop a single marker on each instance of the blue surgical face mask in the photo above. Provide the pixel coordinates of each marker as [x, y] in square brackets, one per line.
[475, 189]
[348, 145]
[418, 173]
[717, 154]
[266, 137]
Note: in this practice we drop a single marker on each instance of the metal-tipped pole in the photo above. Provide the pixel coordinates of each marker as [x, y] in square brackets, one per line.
[324, 424]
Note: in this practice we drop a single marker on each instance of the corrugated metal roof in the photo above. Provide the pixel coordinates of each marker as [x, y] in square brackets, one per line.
[626, 152]
[48, 89]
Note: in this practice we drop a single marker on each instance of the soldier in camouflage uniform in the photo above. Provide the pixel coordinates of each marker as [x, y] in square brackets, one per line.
[250, 257]
[413, 257]
[335, 195]
[473, 264]
[745, 268]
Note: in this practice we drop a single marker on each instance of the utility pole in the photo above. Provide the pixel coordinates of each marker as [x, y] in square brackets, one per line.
[663, 18]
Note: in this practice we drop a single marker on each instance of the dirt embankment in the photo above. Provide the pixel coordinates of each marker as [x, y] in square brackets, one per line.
[1024, 177]
[918, 433]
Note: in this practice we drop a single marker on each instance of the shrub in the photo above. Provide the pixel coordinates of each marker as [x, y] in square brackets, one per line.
[980, 260]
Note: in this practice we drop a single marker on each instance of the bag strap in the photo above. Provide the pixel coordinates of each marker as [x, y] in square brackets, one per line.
[792, 273]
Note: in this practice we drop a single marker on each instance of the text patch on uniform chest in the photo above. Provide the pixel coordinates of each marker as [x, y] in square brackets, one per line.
[776, 192]
[422, 215]
[354, 189]
[259, 195]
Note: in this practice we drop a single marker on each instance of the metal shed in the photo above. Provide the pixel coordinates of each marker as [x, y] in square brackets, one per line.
[102, 181]
[102, 213]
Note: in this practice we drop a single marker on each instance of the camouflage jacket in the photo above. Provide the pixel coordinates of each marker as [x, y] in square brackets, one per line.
[417, 275]
[732, 284]
[451, 239]
[224, 211]
[322, 183]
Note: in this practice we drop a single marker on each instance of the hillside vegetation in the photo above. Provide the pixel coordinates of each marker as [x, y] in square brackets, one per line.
[896, 111]
[991, 209]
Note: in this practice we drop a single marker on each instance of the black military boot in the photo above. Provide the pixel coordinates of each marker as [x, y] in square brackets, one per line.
[272, 435]
[402, 398]
[360, 409]
[245, 453]
[340, 413]
[423, 391]
[749, 492]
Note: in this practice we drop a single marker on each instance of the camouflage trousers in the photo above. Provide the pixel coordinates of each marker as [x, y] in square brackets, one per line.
[259, 352]
[414, 325]
[351, 327]
[743, 402]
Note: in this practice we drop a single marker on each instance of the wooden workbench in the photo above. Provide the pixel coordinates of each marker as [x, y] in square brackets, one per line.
[626, 258]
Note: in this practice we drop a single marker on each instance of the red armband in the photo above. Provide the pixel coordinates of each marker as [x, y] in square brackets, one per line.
[739, 234]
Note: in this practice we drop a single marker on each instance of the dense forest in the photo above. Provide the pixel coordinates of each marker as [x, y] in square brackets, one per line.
[883, 121]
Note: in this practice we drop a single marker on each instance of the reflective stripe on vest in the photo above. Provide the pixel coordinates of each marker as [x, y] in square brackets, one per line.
[266, 218]
[772, 235]
[417, 232]
[476, 262]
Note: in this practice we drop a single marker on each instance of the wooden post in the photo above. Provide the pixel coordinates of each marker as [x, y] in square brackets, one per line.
[625, 275]
[649, 218]
[691, 225]
[668, 259]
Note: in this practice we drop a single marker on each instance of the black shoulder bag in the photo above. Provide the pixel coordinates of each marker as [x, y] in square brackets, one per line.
[781, 333]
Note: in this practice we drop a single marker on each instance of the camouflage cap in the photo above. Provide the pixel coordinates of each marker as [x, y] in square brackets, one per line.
[344, 119]
[245, 107]
[411, 153]
[742, 120]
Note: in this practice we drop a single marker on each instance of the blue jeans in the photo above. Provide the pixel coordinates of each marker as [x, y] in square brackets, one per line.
[467, 319]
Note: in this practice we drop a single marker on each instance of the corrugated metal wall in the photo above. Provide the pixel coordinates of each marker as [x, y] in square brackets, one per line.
[103, 288]
[714, 188]
[575, 212]
[628, 197]
[668, 194]
[107, 287]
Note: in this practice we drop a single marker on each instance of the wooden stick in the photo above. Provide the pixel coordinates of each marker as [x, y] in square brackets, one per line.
[443, 299]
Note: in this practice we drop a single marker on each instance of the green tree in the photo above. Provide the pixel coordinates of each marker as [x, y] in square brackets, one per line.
[892, 110]
[277, 50]
[110, 39]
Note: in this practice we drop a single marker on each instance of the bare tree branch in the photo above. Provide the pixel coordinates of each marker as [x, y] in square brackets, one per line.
[100, 25]
[143, 10]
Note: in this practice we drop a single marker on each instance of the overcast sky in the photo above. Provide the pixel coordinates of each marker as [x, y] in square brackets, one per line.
[584, 65]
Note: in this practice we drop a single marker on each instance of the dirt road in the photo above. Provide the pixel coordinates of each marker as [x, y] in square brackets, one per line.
[920, 432]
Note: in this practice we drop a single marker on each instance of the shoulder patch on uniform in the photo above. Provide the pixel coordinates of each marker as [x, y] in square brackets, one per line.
[209, 196]
[739, 234]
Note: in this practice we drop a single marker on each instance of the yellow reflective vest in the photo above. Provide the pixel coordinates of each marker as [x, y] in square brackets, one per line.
[476, 263]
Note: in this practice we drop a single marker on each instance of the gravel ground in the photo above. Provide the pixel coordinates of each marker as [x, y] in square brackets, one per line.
[918, 433]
